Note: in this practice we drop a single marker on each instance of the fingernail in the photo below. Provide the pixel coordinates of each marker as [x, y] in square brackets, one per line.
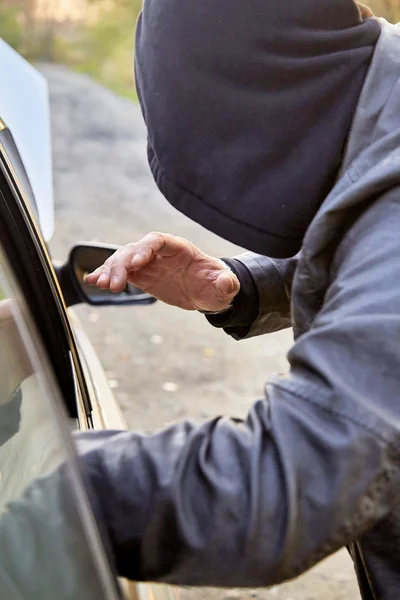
[115, 281]
[103, 278]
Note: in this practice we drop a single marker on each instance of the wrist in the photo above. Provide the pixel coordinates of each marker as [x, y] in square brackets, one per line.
[210, 313]
[230, 306]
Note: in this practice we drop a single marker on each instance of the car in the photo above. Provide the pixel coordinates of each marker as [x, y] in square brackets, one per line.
[51, 380]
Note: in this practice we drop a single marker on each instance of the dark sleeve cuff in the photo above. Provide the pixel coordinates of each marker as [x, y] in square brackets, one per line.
[245, 307]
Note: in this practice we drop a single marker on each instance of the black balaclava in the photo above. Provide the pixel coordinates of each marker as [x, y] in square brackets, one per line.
[248, 104]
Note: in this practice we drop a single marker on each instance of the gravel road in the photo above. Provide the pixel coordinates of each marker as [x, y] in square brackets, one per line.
[164, 364]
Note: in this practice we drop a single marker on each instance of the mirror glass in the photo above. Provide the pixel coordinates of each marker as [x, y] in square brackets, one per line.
[86, 259]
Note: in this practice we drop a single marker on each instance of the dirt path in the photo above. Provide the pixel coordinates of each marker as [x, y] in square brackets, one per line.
[164, 364]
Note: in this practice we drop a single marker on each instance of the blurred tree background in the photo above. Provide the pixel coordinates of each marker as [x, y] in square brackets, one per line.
[390, 9]
[93, 36]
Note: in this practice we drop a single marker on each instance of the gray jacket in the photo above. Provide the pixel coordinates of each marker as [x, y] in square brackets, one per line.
[316, 464]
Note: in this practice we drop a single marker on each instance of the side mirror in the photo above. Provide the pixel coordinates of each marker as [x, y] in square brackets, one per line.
[83, 259]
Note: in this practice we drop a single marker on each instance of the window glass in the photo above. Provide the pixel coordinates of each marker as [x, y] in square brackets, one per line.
[49, 545]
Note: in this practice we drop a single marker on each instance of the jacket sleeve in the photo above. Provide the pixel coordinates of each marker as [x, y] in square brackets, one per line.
[263, 303]
[313, 467]
[45, 549]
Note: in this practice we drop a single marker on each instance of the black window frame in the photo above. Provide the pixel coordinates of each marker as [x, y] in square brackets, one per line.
[29, 258]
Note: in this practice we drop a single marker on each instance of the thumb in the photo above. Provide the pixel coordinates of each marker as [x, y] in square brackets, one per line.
[227, 284]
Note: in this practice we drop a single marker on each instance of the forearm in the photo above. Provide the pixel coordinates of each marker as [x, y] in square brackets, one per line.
[235, 503]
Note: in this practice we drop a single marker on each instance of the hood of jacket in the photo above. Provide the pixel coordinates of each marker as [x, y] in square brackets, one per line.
[248, 106]
[370, 169]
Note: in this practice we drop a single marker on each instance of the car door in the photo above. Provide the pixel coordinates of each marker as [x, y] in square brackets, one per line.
[29, 258]
[50, 546]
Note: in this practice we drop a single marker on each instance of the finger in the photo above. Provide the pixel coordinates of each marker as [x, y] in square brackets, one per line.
[227, 285]
[6, 309]
[133, 257]
[117, 267]
[112, 275]
[93, 277]
[103, 277]
[100, 276]
[103, 282]
[158, 244]
[142, 258]
[120, 267]
[145, 250]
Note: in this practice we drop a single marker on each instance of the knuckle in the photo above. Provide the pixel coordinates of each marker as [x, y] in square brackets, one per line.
[184, 243]
[110, 260]
[156, 236]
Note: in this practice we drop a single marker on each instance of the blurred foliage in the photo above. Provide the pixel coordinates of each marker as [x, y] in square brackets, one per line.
[390, 9]
[107, 46]
[10, 25]
[100, 42]
[32, 38]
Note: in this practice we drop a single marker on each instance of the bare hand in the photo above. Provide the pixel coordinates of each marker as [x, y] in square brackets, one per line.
[14, 362]
[171, 269]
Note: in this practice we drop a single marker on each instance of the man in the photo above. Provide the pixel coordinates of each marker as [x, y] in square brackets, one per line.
[277, 126]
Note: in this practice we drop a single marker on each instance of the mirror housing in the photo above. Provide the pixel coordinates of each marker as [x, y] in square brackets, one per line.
[83, 259]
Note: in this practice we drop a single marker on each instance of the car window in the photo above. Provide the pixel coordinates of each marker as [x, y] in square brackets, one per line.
[49, 545]
[21, 237]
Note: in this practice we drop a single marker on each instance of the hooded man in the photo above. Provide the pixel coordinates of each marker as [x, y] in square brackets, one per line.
[275, 124]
